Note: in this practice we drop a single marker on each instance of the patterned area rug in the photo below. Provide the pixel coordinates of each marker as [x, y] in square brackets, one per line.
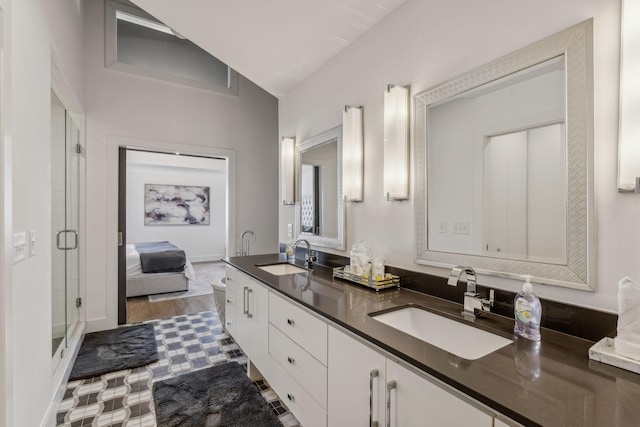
[206, 274]
[115, 350]
[123, 398]
[222, 395]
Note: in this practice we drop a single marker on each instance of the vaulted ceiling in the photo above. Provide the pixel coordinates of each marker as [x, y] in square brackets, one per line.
[275, 43]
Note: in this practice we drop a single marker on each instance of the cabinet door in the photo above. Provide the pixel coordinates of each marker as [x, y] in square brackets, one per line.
[414, 401]
[356, 382]
[258, 315]
[242, 333]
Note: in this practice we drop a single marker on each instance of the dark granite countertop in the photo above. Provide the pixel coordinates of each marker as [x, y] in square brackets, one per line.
[560, 386]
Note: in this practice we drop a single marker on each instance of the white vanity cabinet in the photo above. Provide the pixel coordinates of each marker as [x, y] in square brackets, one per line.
[399, 396]
[251, 331]
[298, 370]
[329, 377]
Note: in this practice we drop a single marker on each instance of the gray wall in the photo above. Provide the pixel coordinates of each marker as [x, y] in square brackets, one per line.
[121, 105]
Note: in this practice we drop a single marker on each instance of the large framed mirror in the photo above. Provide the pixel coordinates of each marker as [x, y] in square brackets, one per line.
[320, 207]
[504, 165]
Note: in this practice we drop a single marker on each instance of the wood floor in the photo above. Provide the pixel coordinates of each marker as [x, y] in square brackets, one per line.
[140, 309]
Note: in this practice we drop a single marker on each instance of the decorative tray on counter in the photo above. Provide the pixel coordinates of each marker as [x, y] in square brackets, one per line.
[389, 280]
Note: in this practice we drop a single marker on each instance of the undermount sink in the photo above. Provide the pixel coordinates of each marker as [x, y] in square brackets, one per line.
[281, 269]
[449, 335]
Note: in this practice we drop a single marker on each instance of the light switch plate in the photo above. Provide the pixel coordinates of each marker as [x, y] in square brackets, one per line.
[19, 246]
[290, 230]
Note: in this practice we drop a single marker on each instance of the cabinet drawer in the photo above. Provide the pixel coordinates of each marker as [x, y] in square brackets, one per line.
[307, 331]
[299, 402]
[230, 278]
[299, 364]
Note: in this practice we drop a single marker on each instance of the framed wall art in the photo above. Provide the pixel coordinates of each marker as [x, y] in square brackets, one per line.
[176, 204]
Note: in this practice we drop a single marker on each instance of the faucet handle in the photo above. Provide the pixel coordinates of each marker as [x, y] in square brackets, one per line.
[311, 258]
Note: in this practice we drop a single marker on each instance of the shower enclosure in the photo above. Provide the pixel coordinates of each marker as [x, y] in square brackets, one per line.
[66, 175]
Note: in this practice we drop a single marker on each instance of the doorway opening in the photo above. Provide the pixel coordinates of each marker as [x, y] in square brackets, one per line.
[177, 204]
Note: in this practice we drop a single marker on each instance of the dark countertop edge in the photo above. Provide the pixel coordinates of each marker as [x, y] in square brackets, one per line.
[490, 403]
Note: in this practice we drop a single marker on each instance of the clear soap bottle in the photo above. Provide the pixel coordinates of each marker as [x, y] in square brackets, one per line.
[528, 312]
[290, 250]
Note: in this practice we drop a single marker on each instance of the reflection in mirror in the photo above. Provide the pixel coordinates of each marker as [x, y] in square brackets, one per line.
[504, 165]
[507, 136]
[320, 213]
[310, 200]
[524, 195]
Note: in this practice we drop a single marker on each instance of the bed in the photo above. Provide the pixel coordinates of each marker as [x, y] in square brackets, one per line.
[157, 267]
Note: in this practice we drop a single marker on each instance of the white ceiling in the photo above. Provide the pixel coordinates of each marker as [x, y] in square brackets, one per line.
[274, 43]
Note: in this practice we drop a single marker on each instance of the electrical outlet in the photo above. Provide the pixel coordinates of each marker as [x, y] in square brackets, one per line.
[290, 230]
[461, 227]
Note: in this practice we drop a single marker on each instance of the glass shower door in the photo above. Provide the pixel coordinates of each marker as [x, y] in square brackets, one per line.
[65, 186]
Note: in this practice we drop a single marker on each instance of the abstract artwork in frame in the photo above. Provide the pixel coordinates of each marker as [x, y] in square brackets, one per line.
[176, 205]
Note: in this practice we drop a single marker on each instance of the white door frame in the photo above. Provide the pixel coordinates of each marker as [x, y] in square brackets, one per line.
[114, 143]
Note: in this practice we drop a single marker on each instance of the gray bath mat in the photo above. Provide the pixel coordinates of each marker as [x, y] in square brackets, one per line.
[115, 350]
[220, 396]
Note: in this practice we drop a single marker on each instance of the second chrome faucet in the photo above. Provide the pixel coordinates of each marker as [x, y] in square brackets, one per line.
[473, 304]
[310, 257]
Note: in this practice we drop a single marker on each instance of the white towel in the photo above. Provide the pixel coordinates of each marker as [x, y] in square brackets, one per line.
[627, 342]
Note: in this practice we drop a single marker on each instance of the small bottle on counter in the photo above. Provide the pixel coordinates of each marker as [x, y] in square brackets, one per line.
[290, 250]
[527, 311]
[359, 262]
[377, 267]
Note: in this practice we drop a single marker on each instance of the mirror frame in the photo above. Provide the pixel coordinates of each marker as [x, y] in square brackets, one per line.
[331, 135]
[576, 43]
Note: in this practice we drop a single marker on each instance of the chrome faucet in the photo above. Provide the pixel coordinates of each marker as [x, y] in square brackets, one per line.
[310, 257]
[473, 304]
[244, 251]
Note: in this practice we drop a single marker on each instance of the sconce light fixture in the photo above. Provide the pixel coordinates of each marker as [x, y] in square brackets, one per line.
[396, 142]
[352, 153]
[288, 169]
[629, 133]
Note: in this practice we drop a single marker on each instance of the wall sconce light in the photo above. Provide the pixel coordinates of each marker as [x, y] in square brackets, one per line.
[287, 165]
[629, 133]
[352, 153]
[396, 142]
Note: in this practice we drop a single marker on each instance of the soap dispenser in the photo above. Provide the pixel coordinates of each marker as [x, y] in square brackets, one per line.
[290, 250]
[527, 311]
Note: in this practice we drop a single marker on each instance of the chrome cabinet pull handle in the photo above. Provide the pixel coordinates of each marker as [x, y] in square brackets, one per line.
[290, 322]
[391, 385]
[245, 305]
[290, 397]
[291, 360]
[249, 315]
[372, 375]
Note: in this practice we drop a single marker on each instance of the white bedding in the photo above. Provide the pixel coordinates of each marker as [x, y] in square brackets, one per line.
[134, 268]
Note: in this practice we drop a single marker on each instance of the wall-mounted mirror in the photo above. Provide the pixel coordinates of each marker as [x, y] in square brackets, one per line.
[320, 209]
[504, 165]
